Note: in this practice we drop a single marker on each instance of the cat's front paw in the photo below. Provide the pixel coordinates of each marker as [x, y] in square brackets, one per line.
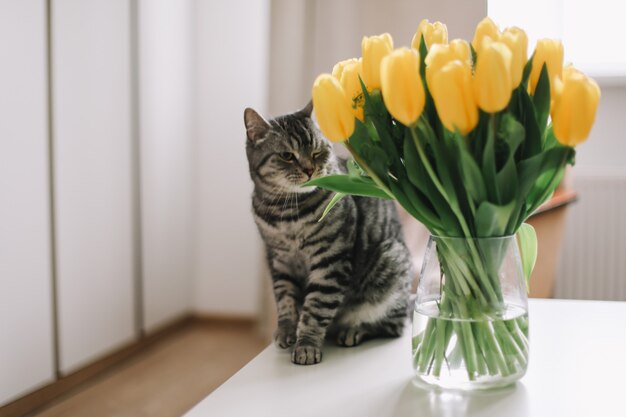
[306, 355]
[285, 336]
[351, 336]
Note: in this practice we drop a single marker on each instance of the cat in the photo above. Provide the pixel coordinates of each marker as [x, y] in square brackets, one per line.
[347, 276]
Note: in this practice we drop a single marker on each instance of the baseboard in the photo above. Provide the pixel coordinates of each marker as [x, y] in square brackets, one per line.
[63, 385]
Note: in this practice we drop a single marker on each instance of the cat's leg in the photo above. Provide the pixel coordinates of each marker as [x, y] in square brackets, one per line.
[365, 326]
[325, 294]
[351, 336]
[382, 308]
[287, 293]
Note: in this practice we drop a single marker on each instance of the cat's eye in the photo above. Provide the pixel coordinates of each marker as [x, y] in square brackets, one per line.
[316, 155]
[286, 156]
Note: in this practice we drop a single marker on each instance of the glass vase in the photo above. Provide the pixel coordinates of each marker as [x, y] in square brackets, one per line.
[470, 323]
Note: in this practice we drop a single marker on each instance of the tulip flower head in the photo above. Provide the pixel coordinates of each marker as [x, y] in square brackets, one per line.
[451, 89]
[351, 84]
[492, 76]
[374, 49]
[339, 66]
[575, 107]
[402, 88]
[485, 28]
[439, 55]
[434, 33]
[517, 41]
[333, 108]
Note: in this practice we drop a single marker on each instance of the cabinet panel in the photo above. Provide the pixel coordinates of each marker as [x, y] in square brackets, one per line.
[92, 160]
[26, 346]
[166, 59]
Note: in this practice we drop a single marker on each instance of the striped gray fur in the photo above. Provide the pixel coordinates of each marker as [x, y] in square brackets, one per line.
[346, 276]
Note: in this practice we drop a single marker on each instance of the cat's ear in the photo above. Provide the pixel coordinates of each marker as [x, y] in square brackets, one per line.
[308, 109]
[256, 126]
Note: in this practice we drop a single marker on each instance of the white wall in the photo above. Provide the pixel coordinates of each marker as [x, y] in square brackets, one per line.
[309, 37]
[232, 50]
[166, 59]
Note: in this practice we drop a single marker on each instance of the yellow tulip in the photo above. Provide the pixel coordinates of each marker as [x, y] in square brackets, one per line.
[462, 50]
[434, 33]
[492, 77]
[339, 66]
[374, 49]
[569, 71]
[352, 86]
[454, 99]
[517, 41]
[550, 52]
[575, 107]
[333, 108]
[485, 28]
[439, 55]
[402, 88]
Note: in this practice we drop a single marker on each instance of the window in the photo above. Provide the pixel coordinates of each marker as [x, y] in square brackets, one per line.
[593, 32]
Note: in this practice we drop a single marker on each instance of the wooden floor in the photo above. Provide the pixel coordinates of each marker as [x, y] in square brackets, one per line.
[168, 378]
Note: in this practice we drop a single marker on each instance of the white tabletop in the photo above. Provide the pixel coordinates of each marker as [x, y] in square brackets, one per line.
[577, 367]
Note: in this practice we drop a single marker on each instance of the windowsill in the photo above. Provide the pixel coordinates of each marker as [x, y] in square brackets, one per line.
[607, 77]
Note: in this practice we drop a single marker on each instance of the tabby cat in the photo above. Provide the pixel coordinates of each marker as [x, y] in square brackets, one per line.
[346, 276]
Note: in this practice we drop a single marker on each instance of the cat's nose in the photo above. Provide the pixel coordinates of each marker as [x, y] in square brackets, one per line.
[308, 171]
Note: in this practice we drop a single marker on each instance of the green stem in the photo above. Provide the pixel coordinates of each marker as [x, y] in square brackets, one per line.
[369, 170]
[455, 210]
[426, 346]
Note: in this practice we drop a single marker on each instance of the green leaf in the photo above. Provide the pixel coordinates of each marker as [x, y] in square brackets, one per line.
[354, 169]
[489, 163]
[426, 215]
[527, 238]
[423, 53]
[527, 172]
[346, 184]
[541, 99]
[403, 200]
[550, 140]
[506, 180]
[474, 55]
[511, 131]
[331, 204]
[527, 69]
[412, 162]
[492, 219]
[472, 178]
[550, 174]
[533, 144]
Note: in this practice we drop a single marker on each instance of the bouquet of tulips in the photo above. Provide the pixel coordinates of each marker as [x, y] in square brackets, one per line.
[469, 139]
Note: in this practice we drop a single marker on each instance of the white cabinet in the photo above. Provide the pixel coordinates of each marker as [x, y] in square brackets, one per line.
[93, 178]
[26, 344]
[90, 172]
[166, 99]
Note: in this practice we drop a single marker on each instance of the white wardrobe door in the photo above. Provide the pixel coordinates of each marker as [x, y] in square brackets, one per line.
[92, 135]
[26, 346]
[166, 69]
